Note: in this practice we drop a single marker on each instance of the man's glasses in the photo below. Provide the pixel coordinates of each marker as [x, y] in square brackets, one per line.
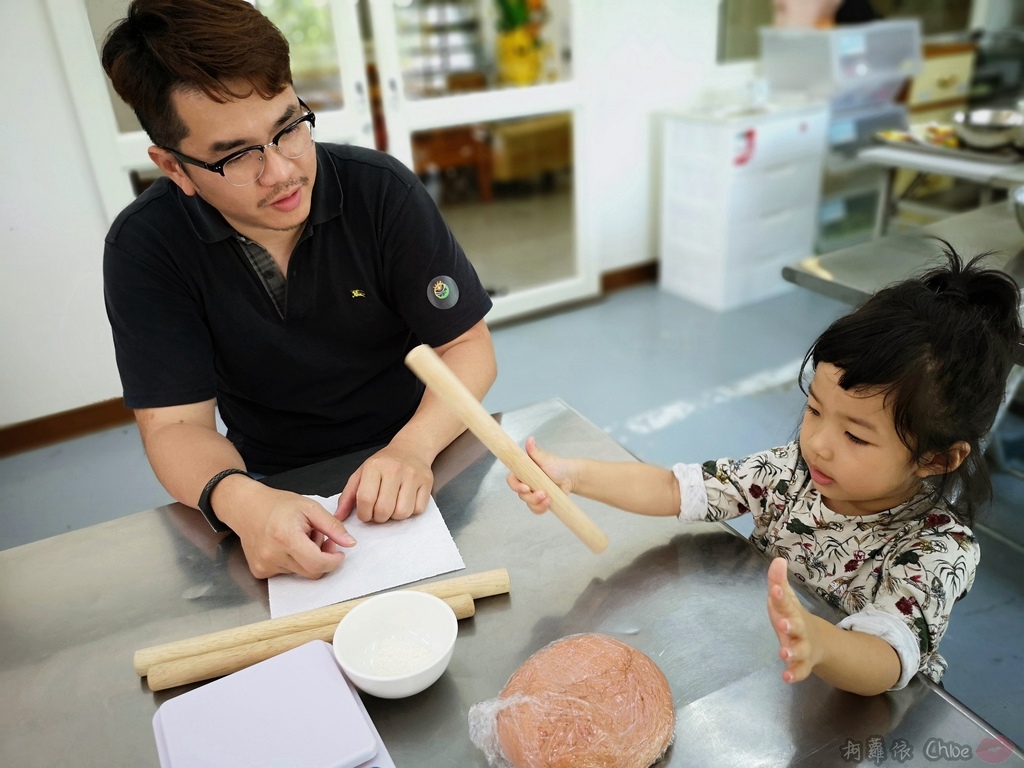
[245, 166]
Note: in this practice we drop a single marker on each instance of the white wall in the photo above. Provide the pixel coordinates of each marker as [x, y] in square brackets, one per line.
[55, 345]
[634, 63]
[55, 348]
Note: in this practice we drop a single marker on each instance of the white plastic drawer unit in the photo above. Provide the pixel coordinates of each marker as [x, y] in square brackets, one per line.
[867, 63]
[743, 244]
[739, 200]
[745, 140]
[749, 167]
[759, 209]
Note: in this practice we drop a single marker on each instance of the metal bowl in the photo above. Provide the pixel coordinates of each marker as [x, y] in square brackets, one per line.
[1015, 199]
[989, 128]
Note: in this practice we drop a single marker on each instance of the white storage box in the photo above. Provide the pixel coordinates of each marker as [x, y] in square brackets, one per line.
[294, 709]
[851, 66]
[739, 201]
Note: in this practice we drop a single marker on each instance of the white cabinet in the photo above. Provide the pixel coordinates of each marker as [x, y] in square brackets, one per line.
[739, 201]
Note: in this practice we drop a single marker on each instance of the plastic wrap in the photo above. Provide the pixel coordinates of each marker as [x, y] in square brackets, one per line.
[585, 701]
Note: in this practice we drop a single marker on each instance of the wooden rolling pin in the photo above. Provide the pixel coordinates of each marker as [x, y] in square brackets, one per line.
[206, 666]
[426, 364]
[476, 585]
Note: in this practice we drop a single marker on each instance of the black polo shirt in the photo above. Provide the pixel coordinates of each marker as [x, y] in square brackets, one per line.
[375, 273]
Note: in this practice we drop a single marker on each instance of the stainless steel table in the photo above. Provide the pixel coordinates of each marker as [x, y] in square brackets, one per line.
[75, 607]
[854, 274]
[990, 173]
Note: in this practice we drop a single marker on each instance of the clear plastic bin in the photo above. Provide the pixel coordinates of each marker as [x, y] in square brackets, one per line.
[846, 219]
[869, 61]
[853, 130]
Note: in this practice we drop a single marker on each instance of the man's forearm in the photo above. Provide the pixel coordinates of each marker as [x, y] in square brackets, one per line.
[185, 456]
[434, 425]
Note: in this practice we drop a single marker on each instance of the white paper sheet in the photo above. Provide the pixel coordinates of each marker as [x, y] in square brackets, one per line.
[386, 555]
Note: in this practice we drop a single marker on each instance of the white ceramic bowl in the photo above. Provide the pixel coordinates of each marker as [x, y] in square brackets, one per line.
[396, 644]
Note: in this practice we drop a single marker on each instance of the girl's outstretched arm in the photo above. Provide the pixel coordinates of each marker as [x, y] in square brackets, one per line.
[633, 486]
[852, 661]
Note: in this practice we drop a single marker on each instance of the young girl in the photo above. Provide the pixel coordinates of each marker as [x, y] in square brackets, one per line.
[871, 508]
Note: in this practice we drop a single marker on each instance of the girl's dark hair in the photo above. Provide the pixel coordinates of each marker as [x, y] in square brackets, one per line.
[192, 44]
[940, 346]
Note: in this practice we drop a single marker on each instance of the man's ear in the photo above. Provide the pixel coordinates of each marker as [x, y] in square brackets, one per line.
[169, 164]
[945, 461]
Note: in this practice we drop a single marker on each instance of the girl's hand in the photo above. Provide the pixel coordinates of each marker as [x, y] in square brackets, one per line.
[555, 467]
[799, 646]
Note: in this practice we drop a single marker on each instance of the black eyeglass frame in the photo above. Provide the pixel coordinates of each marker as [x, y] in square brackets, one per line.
[218, 167]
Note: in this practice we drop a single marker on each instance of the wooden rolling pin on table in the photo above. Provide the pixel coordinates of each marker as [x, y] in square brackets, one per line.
[221, 653]
[206, 666]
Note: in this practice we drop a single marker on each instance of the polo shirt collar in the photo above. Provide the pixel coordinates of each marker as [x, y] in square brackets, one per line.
[211, 227]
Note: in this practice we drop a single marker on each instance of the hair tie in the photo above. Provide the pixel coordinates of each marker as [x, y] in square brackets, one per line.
[955, 293]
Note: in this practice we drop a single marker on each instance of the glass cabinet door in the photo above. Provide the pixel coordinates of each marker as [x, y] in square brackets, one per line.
[477, 96]
[479, 99]
[328, 70]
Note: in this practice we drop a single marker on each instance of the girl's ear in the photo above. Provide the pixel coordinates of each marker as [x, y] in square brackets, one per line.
[945, 461]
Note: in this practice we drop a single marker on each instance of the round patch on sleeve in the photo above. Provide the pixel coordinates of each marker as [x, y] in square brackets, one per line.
[442, 292]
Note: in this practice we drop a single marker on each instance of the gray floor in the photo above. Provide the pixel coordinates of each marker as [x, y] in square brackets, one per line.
[667, 379]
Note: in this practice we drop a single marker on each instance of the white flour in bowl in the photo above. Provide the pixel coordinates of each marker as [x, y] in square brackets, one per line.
[396, 655]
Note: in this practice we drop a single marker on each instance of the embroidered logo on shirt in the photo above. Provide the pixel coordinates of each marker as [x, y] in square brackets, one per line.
[443, 292]
[357, 294]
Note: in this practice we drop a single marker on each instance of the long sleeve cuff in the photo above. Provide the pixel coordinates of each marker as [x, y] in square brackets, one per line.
[872, 621]
[693, 496]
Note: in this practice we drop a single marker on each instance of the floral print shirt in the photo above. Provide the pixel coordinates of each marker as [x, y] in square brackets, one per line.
[907, 565]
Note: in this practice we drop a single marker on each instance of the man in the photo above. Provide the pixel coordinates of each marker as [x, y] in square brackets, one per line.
[281, 281]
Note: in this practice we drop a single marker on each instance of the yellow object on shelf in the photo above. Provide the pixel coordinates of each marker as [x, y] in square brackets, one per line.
[519, 57]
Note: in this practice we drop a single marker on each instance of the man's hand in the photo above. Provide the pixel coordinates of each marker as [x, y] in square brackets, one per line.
[393, 484]
[283, 532]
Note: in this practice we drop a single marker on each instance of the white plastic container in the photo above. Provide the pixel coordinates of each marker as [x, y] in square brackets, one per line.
[739, 201]
[851, 66]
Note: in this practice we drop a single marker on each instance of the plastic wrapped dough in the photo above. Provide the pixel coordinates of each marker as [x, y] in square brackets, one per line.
[585, 701]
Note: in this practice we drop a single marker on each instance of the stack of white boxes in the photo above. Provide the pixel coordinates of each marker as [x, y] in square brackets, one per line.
[739, 200]
[860, 70]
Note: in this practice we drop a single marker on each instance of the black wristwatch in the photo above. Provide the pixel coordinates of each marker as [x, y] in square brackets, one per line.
[204, 498]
